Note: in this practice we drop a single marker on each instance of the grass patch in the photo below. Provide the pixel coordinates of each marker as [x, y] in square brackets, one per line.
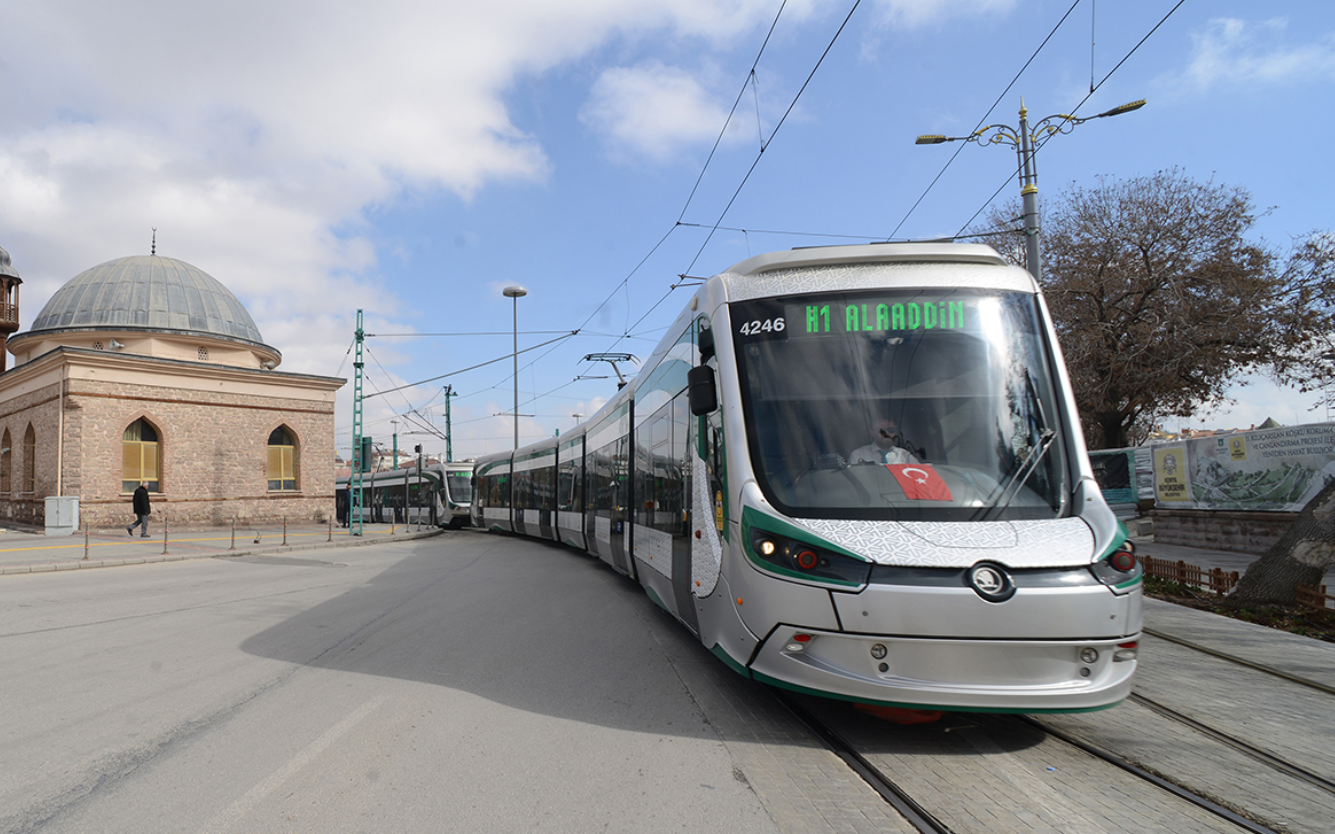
[1295, 619]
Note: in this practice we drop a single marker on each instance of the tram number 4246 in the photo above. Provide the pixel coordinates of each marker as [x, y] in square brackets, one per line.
[753, 328]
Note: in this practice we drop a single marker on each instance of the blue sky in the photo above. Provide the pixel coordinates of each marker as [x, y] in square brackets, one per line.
[412, 159]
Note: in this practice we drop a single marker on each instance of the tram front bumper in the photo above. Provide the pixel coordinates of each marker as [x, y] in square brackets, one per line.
[951, 674]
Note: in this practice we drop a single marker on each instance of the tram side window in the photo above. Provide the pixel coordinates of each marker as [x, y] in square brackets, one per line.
[570, 482]
[524, 490]
[493, 491]
[603, 479]
[544, 492]
[643, 511]
[500, 491]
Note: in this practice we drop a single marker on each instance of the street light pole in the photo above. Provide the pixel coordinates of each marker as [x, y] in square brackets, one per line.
[516, 293]
[1024, 140]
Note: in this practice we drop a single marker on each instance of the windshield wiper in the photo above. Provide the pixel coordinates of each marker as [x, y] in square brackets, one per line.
[1026, 468]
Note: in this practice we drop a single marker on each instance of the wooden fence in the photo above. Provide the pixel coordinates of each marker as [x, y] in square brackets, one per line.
[1314, 596]
[1215, 580]
[1219, 581]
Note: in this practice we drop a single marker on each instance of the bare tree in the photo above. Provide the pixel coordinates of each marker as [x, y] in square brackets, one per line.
[1161, 302]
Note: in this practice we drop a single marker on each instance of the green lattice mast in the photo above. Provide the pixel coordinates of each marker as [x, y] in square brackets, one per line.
[358, 453]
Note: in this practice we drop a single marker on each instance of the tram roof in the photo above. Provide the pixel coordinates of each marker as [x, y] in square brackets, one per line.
[959, 253]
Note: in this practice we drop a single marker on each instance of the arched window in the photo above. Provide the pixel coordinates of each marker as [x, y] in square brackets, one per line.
[282, 460]
[139, 457]
[6, 464]
[29, 460]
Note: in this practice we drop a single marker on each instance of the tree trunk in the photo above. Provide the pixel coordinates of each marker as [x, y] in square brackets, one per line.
[1302, 555]
[1113, 428]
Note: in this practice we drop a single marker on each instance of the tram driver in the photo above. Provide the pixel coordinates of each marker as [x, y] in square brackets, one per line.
[887, 446]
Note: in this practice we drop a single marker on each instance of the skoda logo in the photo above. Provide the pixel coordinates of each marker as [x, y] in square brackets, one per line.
[991, 582]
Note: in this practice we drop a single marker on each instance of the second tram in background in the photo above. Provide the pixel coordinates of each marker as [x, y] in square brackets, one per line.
[855, 471]
[439, 494]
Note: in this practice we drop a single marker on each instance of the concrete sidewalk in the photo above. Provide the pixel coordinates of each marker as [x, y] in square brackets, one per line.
[29, 550]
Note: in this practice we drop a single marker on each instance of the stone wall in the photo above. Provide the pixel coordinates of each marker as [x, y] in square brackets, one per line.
[1241, 532]
[38, 409]
[213, 451]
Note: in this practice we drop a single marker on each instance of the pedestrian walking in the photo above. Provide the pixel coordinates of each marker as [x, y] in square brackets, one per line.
[141, 510]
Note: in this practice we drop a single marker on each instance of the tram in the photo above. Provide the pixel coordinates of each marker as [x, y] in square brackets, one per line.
[855, 472]
[438, 494]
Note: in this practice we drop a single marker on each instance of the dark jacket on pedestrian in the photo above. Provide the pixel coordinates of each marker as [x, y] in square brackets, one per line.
[141, 501]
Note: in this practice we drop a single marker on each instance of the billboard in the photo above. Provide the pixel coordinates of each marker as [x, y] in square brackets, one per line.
[1275, 470]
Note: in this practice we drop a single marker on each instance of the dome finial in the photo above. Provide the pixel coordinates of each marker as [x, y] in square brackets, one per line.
[154, 250]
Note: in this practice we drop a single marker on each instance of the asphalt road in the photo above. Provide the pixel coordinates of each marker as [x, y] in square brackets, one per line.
[464, 683]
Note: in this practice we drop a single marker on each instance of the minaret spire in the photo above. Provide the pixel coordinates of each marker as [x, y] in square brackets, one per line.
[9, 303]
[154, 250]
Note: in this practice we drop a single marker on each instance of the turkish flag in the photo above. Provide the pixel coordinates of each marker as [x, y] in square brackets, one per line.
[920, 482]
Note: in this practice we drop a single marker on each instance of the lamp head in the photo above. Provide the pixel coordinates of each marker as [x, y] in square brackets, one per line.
[931, 139]
[1123, 108]
[514, 292]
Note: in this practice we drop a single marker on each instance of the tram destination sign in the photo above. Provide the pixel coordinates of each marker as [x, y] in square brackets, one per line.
[837, 315]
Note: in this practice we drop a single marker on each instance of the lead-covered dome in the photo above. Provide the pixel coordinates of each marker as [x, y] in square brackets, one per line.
[148, 292]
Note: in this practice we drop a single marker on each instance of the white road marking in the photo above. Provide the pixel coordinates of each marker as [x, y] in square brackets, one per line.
[234, 812]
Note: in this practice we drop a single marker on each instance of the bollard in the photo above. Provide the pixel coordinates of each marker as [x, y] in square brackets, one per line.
[164, 535]
[85, 542]
[284, 531]
[233, 547]
[331, 531]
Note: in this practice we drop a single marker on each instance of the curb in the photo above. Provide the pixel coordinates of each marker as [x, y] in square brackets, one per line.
[58, 567]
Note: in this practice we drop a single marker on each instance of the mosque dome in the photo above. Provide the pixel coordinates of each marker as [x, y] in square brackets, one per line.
[148, 292]
[151, 305]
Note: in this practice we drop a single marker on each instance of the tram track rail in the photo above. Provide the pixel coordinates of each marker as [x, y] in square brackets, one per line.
[1242, 661]
[1183, 793]
[1267, 758]
[894, 795]
[923, 820]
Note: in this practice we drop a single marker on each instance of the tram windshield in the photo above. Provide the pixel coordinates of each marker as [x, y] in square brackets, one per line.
[460, 485]
[902, 404]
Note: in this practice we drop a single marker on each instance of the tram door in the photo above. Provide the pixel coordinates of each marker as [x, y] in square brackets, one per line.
[608, 492]
[708, 483]
[621, 503]
[677, 504]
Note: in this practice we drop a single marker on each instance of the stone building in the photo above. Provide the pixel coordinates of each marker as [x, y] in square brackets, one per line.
[148, 369]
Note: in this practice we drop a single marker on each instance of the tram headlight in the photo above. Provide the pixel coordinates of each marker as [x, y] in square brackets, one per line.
[799, 559]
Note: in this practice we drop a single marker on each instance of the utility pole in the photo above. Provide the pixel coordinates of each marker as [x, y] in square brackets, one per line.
[449, 446]
[358, 452]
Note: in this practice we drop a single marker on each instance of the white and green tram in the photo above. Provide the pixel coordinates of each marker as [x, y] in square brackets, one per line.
[438, 494]
[855, 471]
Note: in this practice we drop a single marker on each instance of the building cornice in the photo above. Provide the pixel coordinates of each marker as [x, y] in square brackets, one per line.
[110, 360]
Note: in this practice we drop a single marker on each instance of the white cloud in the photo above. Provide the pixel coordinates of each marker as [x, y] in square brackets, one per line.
[1234, 51]
[913, 14]
[254, 134]
[653, 111]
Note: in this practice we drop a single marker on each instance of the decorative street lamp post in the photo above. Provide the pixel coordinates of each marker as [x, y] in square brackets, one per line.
[516, 293]
[1024, 140]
